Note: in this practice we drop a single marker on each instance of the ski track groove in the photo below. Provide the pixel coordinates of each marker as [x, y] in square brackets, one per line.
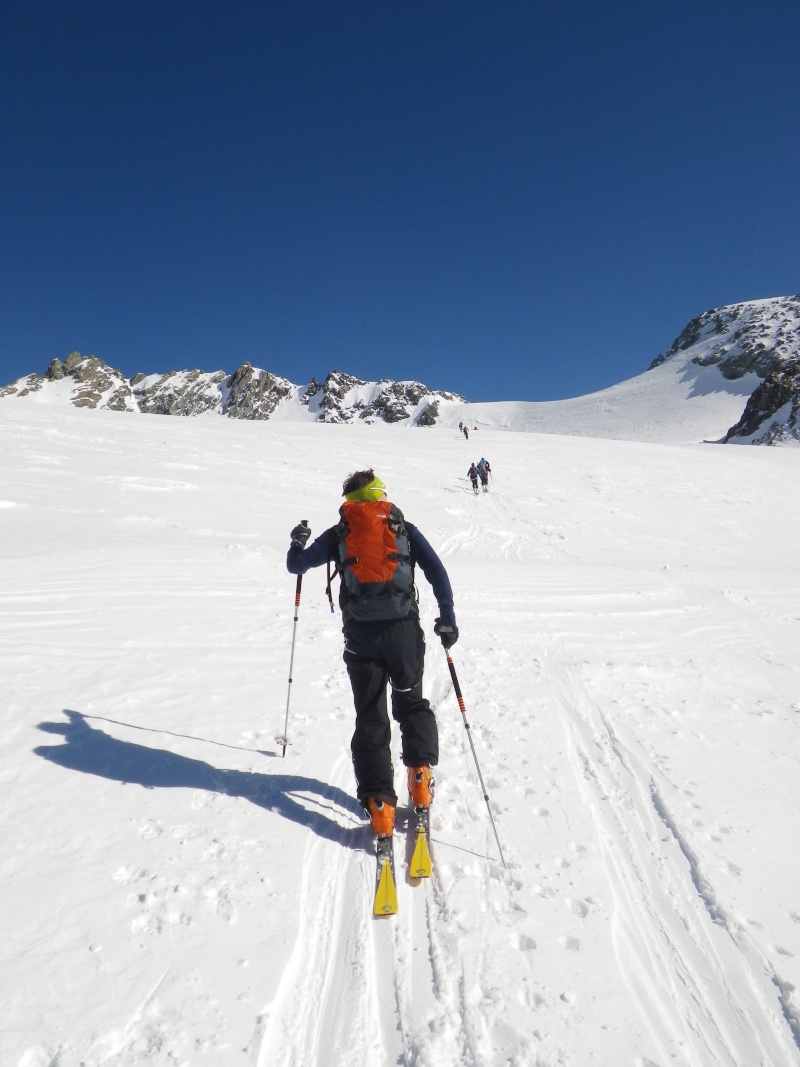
[320, 1013]
[463, 912]
[698, 979]
[401, 991]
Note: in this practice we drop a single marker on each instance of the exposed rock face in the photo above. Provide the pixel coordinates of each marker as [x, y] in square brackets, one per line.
[98, 384]
[772, 414]
[254, 394]
[31, 383]
[345, 398]
[178, 392]
[336, 394]
[755, 337]
[95, 384]
[248, 393]
[429, 414]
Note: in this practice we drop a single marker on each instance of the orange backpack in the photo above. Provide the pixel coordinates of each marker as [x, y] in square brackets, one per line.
[374, 561]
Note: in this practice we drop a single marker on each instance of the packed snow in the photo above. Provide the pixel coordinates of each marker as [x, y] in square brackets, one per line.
[177, 894]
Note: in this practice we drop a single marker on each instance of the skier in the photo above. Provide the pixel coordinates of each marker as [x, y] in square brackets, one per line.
[466, 432]
[383, 640]
[483, 473]
[473, 477]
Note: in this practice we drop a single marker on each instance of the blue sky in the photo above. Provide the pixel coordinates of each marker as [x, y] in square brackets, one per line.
[512, 199]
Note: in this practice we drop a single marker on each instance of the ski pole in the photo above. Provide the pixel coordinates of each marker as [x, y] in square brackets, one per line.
[463, 709]
[284, 740]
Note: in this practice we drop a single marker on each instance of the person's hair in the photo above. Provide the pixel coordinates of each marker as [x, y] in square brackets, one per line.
[357, 481]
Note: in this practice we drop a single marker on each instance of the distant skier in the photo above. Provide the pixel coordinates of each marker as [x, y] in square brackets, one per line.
[473, 477]
[376, 550]
[466, 432]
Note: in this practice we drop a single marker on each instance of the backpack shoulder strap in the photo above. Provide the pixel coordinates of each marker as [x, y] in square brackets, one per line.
[398, 524]
[339, 529]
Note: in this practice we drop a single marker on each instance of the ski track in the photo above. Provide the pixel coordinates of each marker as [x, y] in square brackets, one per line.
[404, 991]
[700, 982]
[321, 1013]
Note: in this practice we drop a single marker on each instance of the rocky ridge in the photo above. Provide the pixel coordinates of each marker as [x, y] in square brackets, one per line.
[248, 393]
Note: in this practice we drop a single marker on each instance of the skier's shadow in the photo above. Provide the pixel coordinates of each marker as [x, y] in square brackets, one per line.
[302, 800]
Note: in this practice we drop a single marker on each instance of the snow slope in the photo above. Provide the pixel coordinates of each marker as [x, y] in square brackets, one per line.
[175, 893]
[677, 402]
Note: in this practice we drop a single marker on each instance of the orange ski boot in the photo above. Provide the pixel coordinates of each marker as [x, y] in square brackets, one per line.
[382, 815]
[420, 786]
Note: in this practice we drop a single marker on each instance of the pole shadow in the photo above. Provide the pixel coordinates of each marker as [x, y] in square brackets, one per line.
[91, 751]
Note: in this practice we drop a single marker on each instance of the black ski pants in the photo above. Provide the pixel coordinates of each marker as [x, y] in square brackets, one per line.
[377, 654]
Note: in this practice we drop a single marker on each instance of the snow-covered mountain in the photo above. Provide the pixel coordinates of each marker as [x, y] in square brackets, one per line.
[248, 393]
[731, 376]
[762, 338]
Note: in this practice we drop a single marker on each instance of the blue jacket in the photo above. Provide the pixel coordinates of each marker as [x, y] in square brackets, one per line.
[326, 547]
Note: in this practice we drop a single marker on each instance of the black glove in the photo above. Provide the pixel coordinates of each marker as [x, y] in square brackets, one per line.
[300, 534]
[447, 633]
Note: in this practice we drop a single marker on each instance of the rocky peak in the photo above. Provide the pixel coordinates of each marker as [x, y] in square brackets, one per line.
[255, 394]
[178, 392]
[345, 398]
[761, 337]
[90, 383]
[756, 337]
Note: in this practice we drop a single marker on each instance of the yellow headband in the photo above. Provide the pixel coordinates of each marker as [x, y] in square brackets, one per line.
[373, 491]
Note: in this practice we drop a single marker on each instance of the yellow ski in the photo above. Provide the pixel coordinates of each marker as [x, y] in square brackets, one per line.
[385, 902]
[421, 866]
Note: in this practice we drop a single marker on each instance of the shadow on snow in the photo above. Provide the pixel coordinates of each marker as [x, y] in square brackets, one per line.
[92, 751]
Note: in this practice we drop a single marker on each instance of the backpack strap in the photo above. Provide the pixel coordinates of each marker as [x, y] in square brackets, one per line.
[397, 523]
[337, 569]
